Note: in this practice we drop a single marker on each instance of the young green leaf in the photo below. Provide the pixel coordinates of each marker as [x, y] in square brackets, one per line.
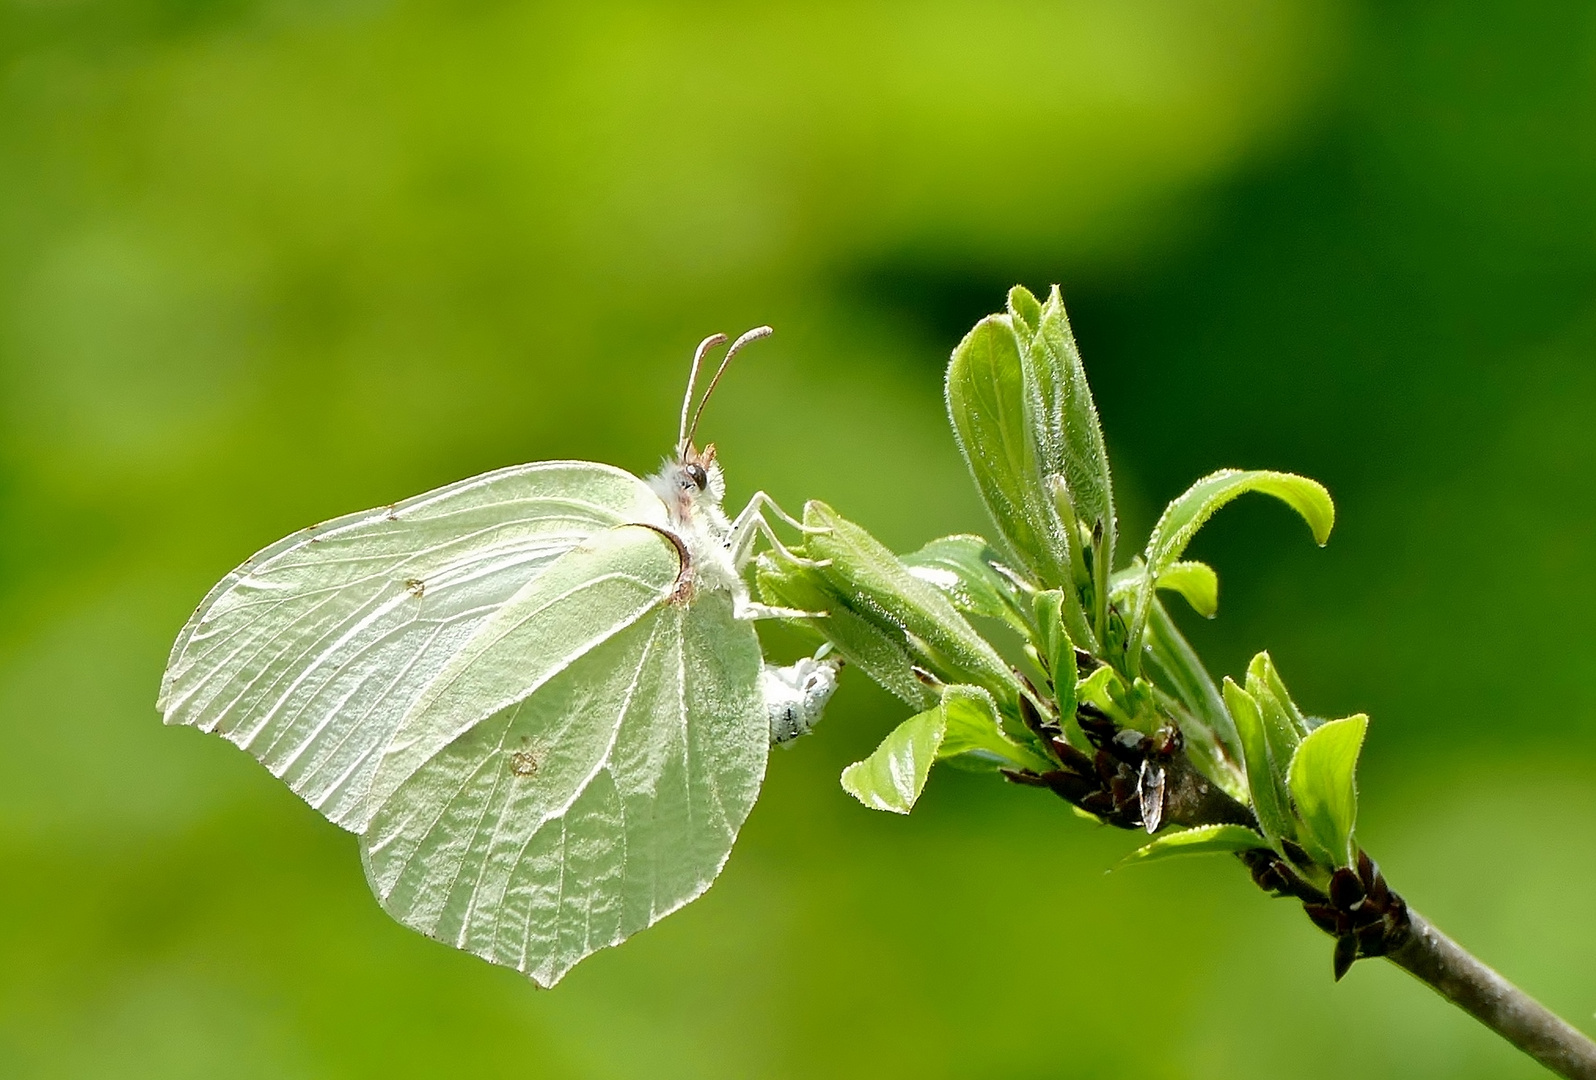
[1202, 840]
[1078, 620]
[961, 567]
[892, 778]
[1323, 783]
[1025, 310]
[1183, 517]
[881, 653]
[995, 408]
[869, 580]
[1262, 672]
[962, 727]
[1288, 723]
[974, 729]
[1073, 447]
[1266, 785]
[1283, 729]
[1056, 649]
[1195, 581]
[1104, 689]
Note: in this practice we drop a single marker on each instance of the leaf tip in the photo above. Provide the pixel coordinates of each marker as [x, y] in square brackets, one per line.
[855, 783]
[1322, 523]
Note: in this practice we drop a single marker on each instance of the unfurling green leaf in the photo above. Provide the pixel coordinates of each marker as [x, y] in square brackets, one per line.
[975, 731]
[1323, 783]
[1183, 517]
[1104, 689]
[881, 652]
[1284, 724]
[1072, 440]
[870, 581]
[962, 567]
[995, 408]
[1266, 785]
[1196, 581]
[962, 727]
[1263, 678]
[1056, 649]
[1025, 310]
[1203, 840]
[1025, 421]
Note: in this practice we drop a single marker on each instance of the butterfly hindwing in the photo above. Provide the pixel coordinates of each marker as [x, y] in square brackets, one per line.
[310, 653]
[579, 773]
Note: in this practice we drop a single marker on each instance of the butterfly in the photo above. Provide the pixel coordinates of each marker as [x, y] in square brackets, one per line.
[536, 695]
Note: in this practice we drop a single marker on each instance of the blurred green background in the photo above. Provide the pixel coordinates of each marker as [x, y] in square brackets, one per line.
[266, 261]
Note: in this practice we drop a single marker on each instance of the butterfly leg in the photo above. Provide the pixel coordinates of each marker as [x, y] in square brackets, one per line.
[765, 502]
[751, 523]
[748, 526]
[744, 608]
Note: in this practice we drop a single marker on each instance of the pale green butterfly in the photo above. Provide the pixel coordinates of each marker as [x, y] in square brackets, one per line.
[536, 694]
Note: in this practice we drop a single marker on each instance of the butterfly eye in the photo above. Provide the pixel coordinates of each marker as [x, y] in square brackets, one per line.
[697, 475]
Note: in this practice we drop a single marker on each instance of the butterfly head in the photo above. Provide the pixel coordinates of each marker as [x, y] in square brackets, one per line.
[704, 473]
[689, 481]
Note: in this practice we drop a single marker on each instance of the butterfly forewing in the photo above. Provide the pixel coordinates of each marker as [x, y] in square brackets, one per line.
[616, 745]
[310, 653]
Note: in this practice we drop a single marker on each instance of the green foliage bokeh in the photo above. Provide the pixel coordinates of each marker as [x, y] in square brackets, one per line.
[266, 261]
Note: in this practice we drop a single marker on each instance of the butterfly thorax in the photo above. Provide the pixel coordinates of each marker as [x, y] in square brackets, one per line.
[692, 486]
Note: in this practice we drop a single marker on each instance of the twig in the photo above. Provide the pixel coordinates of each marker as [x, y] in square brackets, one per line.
[1358, 909]
[1433, 958]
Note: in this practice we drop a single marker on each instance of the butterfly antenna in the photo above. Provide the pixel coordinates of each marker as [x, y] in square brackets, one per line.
[692, 378]
[753, 335]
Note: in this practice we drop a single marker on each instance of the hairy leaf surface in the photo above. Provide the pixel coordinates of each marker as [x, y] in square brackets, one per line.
[1073, 437]
[962, 568]
[999, 421]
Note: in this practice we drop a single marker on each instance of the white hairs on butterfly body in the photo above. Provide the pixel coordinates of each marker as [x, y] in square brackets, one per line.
[693, 488]
[796, 695]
